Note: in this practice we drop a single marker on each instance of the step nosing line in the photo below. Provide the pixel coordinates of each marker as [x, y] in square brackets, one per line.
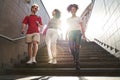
[72, 69]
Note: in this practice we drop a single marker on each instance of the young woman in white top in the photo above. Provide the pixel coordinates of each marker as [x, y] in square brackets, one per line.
[52, 35]
[75, 32]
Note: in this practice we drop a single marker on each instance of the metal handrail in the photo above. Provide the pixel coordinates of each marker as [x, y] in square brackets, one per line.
[11, 39]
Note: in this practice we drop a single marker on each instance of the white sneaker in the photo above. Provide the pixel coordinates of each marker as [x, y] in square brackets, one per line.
[50, 61]
[34, 60]
[54, 61]
[30, 61]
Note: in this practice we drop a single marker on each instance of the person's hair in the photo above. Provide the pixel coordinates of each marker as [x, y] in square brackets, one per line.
[72, 5]
[58, 13]
[34, 5]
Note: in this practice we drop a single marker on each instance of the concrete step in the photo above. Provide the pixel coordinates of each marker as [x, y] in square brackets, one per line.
[70, 65]
[65, 71]
[94, 61]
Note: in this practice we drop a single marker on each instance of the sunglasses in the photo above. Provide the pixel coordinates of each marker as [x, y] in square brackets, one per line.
[36, 8]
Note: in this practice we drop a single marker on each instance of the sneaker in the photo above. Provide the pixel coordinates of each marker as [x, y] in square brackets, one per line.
[34, 60]
[77, 66]
[54, 61]
[30, 61]
[50, 61]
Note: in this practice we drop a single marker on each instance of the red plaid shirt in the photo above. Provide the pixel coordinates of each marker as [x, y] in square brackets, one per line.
[32, 25]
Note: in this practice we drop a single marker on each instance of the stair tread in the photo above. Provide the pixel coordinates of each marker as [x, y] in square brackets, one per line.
[94, 60]
[67, 71]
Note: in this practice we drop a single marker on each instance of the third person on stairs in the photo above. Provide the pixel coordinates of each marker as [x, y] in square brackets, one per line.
[52, 35]
[75, 32]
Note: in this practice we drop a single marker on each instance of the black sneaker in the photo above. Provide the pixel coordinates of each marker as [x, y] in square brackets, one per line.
[77, 67]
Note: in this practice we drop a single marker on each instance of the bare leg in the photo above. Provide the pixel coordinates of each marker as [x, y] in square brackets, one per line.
[35, 48]
[30, 53]
[30, 50]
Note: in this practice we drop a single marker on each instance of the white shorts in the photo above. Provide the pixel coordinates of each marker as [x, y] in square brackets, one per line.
[32, 37]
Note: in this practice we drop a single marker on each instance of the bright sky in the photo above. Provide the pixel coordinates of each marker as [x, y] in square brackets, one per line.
[62, 5]
[64, 78]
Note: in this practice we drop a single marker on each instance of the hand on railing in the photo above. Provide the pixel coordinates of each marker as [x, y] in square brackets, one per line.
[23, 31]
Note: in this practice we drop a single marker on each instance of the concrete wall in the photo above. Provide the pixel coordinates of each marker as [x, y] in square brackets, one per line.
[12, 13]
[86, 15]
[104, 24]
[11, 52]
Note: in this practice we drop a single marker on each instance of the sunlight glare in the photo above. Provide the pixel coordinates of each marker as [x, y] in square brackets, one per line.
[29, 78]
[102, 78]
[94, 29]
[62, 6]
[64, 78]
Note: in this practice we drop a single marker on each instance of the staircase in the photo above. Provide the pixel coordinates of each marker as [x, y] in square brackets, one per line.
[94, 61]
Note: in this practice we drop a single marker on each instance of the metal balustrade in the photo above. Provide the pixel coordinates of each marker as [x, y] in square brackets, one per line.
[13, 50]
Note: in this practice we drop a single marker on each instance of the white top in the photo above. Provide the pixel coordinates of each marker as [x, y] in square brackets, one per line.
[54, 23]
[74, 23]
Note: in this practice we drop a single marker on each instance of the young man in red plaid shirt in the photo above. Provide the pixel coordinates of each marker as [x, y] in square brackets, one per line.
[33, 33]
